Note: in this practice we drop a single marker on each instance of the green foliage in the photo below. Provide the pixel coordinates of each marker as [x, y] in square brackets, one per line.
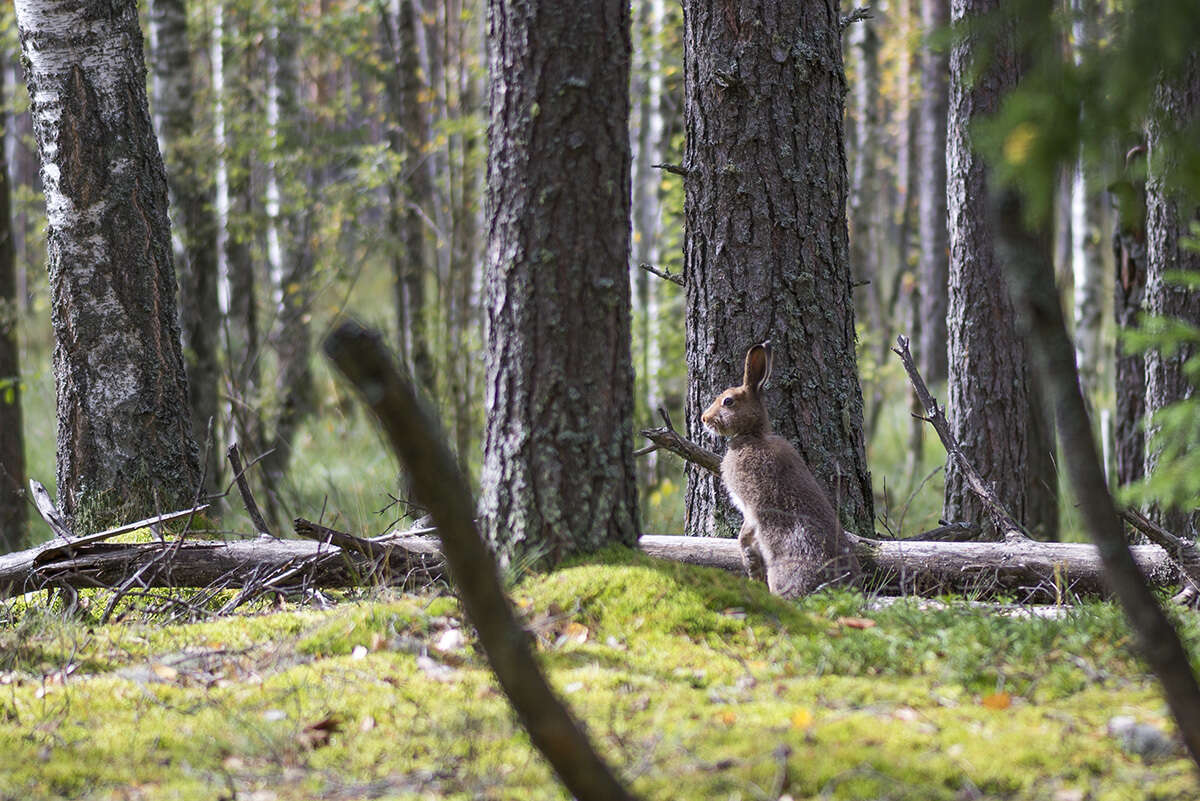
[695, 683]
[1062, 108]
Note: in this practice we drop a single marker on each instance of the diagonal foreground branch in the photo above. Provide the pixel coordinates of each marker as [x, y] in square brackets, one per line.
[1031, 281]
[1004, 522]
[415, 436]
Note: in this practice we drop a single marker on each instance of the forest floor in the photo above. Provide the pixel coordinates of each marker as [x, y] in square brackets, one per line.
[696, 684]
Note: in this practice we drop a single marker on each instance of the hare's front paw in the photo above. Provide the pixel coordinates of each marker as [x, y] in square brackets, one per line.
[752, 558]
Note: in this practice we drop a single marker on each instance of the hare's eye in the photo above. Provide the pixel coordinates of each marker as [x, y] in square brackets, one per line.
[727, 400]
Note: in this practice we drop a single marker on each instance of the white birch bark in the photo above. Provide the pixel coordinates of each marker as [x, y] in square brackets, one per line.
[124, 438]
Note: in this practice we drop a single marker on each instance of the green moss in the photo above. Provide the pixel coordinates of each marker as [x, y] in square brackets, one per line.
[695, 683]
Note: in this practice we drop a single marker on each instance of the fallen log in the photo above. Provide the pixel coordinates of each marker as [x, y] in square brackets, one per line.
[1027, 571]
[287, 565]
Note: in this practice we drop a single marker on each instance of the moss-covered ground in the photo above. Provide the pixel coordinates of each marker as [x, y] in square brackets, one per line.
[696, 684]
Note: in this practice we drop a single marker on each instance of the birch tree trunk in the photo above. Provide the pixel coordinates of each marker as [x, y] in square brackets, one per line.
[1170, 211]
[125, 447]
[13, 505]
[558, 473]
[290, 250]
[993, 406]
[191, 196]
[239, 286]
[932, 153]
[766, 252]
[649, 149]
[1087, 220]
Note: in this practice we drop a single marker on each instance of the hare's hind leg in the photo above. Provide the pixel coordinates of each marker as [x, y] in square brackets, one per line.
[752, 558]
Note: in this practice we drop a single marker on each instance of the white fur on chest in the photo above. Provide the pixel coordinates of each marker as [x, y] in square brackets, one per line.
[747, 514]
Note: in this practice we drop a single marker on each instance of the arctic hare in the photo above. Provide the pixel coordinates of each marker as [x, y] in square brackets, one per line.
[790, 532]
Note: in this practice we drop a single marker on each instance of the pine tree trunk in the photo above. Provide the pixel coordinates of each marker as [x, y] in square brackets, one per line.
[410, 193]
[190, 190]
[125, 447]
[994, 409]
[765, 253]
[1169, 213]
[558, 470]
[13, 505]
[931, 197]
[1129, 290]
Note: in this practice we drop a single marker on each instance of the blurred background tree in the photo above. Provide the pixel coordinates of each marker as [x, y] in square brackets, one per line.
[340, 146]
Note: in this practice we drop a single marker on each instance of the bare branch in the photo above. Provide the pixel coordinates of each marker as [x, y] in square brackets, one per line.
[1005, 523]
[666, 275]
[49, 512]
[676, 169]
[1184, 552]
[239, 475]
[668, 439]
[859, 14]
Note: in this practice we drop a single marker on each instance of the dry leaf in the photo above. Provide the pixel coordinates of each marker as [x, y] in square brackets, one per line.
[164, 672]
[728, 717]
[576, 633]
[997, 701]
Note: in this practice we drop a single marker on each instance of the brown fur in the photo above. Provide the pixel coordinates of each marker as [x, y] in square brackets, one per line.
[790, 532]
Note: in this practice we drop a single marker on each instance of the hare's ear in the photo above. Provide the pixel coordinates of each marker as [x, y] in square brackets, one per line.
[758, 366]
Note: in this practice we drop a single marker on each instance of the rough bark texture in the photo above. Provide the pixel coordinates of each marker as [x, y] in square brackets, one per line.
[1129, 290]
[191, 194]
[766, 253]
[558, 471]
[1170, 211]
[13, 514]
[125, 446]
[931, 196]
[993, 408]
